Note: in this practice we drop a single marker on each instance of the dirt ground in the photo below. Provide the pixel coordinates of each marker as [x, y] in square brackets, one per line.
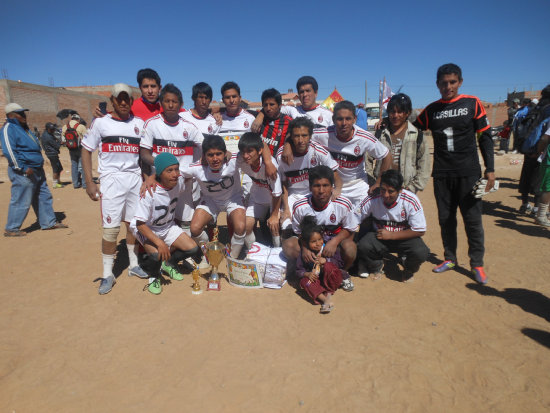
[439, 344]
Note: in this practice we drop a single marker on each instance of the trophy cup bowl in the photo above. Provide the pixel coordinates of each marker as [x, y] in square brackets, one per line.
[215, 252]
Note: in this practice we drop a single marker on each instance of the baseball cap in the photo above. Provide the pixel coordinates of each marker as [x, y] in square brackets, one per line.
[50, 125]
[119, 88]
[535, 101]
[516, 100]
[14, 107]
[75, 116]
[163, 161]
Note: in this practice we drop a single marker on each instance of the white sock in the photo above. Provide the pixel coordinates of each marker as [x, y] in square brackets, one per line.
[237, 242]
[276, 240]
[203, 237]
[543, 210]
[132, 255]
[55, 181]
[151, 279]
[249, 239]
[108, 263]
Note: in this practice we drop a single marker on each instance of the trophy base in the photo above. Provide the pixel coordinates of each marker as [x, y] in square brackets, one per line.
[213, 285]
[197, 292]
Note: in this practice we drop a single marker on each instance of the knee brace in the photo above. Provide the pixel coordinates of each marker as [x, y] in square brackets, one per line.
[110, 234]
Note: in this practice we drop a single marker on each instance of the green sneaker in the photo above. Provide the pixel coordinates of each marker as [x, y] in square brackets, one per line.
[155, 287]
[171, 271]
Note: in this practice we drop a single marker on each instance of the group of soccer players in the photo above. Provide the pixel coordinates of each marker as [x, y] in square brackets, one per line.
[178, 161]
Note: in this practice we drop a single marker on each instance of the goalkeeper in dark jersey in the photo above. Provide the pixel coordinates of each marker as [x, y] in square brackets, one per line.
[457, 122]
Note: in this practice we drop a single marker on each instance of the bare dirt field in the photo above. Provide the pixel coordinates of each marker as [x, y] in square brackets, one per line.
[439, 344]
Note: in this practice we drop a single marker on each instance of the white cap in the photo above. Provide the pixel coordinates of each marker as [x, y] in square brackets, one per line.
[14, 107]
[535, 101]
[119, 88]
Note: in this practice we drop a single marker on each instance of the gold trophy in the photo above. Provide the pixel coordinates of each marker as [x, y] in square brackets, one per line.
[215, 252]
[196, 276]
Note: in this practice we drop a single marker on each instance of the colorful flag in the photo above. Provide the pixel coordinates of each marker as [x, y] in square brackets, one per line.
[332, 99]
[385, 93]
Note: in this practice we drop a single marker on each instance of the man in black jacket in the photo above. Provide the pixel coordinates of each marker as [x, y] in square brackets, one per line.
[51, 148]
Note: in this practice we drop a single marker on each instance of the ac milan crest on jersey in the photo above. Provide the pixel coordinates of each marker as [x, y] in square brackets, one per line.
[357, 150]
[333, 218]
[246, 124]
[108, 219]
[136, 130]
[210, 129]
[313, 161]
[403, 214]
[320, 118]
[185, 134]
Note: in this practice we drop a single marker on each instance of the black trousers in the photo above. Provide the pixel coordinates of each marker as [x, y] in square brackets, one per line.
[452, 193]
[371, 250]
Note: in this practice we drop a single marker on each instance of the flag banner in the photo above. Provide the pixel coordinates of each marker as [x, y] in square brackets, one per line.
[385, 93]
[332, 99]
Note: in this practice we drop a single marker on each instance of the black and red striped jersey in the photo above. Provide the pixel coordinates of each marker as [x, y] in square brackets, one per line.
[274, 132]
[454, 125]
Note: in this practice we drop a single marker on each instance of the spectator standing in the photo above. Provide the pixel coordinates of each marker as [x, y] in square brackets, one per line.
[51, 148]
[76, 153]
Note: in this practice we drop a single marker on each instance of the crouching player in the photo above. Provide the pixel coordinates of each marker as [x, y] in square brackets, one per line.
[219, 181]
[399, 223]
[154, 226]
[265, 194]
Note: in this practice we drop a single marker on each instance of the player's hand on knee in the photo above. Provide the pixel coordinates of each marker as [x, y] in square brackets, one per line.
[164, 251]
[330, 248]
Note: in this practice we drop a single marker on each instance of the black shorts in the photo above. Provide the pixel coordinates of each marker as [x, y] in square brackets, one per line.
[56, 164]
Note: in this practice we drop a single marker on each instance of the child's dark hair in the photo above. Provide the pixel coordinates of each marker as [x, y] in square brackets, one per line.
[309, 227]
[401, 103]
[213, 142]
[449, 69]
[250, 140]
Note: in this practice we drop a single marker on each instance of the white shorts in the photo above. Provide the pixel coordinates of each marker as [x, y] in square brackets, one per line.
[185, 206]
[214, 208]
[291, 200]
[258, 211]
[355, 191]
[169, 235]
[119, 198]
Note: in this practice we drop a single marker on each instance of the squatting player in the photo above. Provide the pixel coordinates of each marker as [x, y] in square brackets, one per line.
[154, 226]
[455, 121]
[117, 137]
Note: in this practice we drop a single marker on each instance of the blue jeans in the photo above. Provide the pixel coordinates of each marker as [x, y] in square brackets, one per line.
[77, 175]
[27, 191]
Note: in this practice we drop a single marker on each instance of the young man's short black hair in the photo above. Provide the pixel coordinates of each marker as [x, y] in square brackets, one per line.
[250, 140]
[345, 104]
[307, 80]
[272, 94]
[147, 74]
[231, 85]
[449, 69]
[201, 87]
[299, 122]
[400, 103]
[170, 88]
[545, 93]
[393, 178]
[320, 172]
[213, 142]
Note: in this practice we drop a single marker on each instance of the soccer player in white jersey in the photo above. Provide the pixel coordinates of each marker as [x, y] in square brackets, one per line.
[335, 215]
[348, 144]
[219, 181]
[200, 115]
[154, 226]
[117, 138]
[265, 194]
[307, 88]
[398, 225]
[306, 155]
[168, 132]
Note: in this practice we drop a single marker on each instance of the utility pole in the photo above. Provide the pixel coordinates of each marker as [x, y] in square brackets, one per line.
[365, 93]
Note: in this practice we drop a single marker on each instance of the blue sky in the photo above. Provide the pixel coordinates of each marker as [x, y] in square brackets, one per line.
[261, 44]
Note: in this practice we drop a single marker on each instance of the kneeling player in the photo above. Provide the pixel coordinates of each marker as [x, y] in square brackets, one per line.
[399, 223]
[154, 225]
[221, 191]
[265, 194]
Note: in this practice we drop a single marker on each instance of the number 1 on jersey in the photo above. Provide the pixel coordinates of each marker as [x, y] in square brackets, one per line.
[450, 141]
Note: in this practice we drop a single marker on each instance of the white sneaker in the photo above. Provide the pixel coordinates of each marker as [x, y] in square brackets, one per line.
[347, 285]
[364, 275]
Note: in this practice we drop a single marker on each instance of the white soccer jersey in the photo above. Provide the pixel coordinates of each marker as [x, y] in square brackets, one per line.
[350, 155]
[297, 173]
[158, 210]
[263, 188]
[240, 123]
[206, 125]
[334, 217]
[182, 139]
[405, 213]
[319, 115]
[118, 143]
[220, 186]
